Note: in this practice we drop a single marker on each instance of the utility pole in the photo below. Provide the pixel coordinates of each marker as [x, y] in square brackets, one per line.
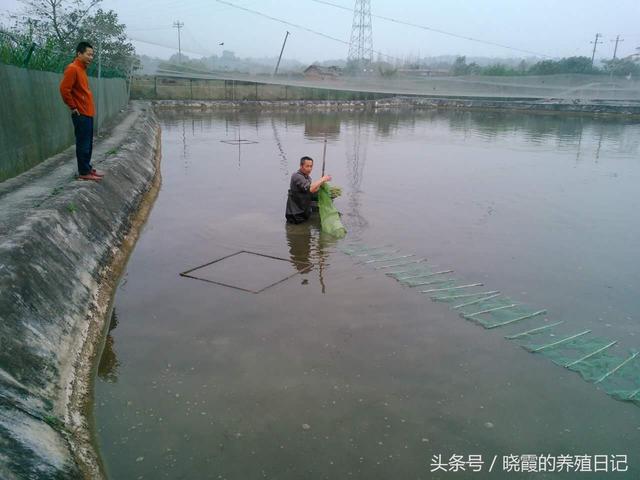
[280, 57]
[178, 24]
[615, 50]
[99, 96]
[595, 44]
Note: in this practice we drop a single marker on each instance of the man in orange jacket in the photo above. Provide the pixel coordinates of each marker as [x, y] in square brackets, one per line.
[76, 93]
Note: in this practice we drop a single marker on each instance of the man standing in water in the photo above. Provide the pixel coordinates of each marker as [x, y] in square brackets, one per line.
[301, 191]
[76, 93]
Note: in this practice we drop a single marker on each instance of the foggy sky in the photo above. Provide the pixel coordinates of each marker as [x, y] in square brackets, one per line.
[552, 28]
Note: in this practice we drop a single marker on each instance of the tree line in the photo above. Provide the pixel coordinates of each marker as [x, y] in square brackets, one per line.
[45, 34]
[580, 65]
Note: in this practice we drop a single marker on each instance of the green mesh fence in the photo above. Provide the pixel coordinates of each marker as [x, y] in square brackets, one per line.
[329, 216]
[49, 58]
[599, 361]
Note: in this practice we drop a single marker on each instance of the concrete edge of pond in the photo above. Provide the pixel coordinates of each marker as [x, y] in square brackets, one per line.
[534, 106]
[60, 269]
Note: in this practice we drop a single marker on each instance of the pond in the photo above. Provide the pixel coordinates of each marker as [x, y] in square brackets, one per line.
[335, 370]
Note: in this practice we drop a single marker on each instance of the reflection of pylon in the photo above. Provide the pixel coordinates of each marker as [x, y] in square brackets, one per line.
[356, 158]
[361, 44]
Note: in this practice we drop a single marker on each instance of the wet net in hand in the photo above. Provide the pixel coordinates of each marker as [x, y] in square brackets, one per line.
[329, 216]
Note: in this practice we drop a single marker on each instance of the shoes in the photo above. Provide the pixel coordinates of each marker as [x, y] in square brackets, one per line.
[89, 176]
[97, 173]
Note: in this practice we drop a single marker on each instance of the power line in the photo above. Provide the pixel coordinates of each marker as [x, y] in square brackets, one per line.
[196, 42]
[315, 32]
[170, 47]
[166, 27]
[255, 12]
[431, 29]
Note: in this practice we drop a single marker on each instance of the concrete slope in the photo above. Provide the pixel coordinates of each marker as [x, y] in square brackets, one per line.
[58, 238]
[20, 195]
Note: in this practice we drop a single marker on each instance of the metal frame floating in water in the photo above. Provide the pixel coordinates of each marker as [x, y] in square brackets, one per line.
[240, 141]
[301, 268]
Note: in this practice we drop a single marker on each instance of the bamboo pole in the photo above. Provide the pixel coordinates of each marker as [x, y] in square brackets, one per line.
[519, 319]
[591, 354]
[465, 295]
[473, 302]
[452, 288]
[606, 375]
[470, 315]
[401, 264]
[559, 342]
[533, 330]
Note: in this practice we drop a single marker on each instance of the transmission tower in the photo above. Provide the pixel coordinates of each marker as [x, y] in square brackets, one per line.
[361, 44]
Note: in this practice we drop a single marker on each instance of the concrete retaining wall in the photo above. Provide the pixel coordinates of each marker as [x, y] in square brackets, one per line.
[631, 109]
[36, 123]
[53, 309]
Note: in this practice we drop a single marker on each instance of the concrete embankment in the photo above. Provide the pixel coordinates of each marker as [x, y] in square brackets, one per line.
[415, 103]
[59, 263]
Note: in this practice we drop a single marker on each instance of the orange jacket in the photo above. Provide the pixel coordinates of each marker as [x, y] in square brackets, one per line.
[74, 89]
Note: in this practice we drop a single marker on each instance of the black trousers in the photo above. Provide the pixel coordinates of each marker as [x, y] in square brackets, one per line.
[83, 129]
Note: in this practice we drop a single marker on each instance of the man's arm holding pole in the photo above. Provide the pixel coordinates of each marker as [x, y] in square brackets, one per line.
[315, 186]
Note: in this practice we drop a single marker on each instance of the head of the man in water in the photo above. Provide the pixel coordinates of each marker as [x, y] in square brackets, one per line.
[306, 165]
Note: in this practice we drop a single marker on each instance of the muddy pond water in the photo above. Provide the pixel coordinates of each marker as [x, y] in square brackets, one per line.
[335, 370]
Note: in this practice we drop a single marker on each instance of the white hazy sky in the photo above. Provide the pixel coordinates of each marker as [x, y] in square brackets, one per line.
[556, 28]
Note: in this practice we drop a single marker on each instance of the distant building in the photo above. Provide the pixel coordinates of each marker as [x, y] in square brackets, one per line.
[316, 72]
[425, 72]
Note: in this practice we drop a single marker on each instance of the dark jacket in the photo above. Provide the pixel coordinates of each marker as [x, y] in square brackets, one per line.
[299, 199]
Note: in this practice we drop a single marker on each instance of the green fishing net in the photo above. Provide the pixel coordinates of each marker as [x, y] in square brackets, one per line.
[597, 360]
[329, 216]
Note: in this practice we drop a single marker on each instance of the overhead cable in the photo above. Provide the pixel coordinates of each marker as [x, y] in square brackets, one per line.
[431, 29]
[295, 25]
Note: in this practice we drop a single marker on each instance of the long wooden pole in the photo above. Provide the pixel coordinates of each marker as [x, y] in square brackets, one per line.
[324, 154]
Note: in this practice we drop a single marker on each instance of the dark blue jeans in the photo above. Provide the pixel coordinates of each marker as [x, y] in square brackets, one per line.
[83, 129]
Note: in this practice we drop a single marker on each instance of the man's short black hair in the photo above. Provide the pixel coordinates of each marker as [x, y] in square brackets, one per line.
[304, 159]
[82, 47]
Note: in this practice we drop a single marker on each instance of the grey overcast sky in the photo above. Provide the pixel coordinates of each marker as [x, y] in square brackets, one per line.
[556, 28]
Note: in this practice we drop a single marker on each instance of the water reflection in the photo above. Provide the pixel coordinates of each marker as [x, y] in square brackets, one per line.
[284, 161]
[356, 158]
[309, 246]
[387, 123]
[562, 130]
[108, 366]
[321, 126]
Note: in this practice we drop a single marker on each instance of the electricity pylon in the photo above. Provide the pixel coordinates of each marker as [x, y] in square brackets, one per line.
[361, 44]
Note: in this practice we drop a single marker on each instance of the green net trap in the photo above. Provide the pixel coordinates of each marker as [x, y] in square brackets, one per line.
[599, 361]
[329, 216]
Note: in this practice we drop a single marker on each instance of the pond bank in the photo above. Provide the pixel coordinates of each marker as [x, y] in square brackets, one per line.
[60, 266]
[547, 106]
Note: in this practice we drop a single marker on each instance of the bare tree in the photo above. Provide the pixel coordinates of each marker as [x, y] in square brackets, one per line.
[62, 18]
